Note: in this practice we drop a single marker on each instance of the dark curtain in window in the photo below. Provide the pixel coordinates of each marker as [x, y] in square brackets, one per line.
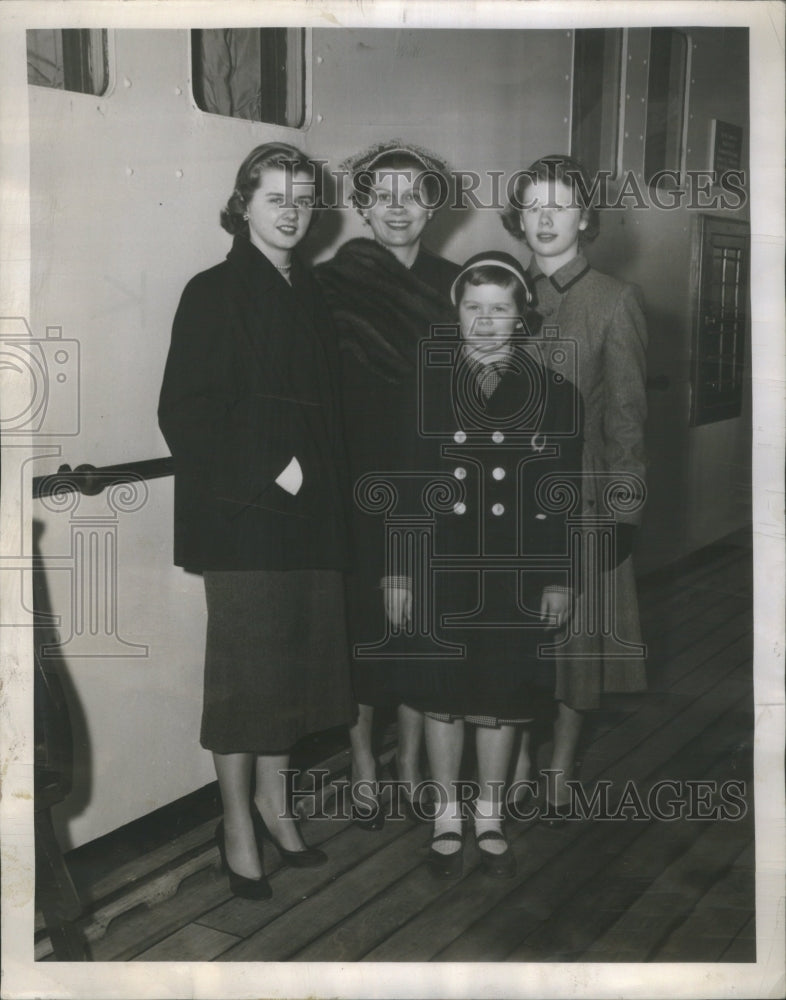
[242, 73]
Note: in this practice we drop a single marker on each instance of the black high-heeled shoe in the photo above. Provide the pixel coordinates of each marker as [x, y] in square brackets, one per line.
[367, 816]
[308, 857]
[239, 885]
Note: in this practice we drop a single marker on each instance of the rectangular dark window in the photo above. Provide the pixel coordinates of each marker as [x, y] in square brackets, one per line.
[597, 76]
[721, 320]
[666, 94]
[258, 74]
[73, 59]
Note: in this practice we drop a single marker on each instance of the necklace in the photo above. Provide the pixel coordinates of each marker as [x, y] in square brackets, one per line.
[283, 267]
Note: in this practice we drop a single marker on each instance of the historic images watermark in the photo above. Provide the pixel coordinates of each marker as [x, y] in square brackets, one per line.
[664, 800]
[494, 190]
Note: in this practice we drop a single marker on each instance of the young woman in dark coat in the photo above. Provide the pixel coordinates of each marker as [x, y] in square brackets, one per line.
[249, 408]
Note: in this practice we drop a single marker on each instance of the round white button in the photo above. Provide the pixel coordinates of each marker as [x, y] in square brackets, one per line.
[498, 509]
[460, 472]
[497, 437]
[498, 473]
[459, 437]
[459, 508]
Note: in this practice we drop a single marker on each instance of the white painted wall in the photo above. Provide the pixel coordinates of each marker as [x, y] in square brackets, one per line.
[126, 191]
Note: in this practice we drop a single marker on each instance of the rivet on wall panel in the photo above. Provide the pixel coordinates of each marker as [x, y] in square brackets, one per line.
[126, 82]
[178, 173]
[129, 171]
[567, 76]
[627, 135]
[565, 120]
[178, 91]
[320, 118]
[320, 60]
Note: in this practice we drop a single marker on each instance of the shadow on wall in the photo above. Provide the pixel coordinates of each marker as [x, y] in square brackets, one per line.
[63, 759]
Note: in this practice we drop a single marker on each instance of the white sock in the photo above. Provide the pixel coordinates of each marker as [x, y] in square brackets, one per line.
[448, 822]
[488, 818]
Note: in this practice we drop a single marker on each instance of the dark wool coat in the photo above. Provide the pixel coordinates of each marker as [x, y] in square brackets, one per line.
[251, 380]
[501, 451]
[604, 317]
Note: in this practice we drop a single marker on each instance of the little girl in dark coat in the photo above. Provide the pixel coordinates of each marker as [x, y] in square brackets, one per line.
[514, 445]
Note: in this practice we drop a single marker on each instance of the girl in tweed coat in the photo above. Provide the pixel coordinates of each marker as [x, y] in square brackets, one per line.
[605, 318]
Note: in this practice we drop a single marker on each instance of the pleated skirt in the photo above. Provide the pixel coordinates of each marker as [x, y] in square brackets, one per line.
[276, 659]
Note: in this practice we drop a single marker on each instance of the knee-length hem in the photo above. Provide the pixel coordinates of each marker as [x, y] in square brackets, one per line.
[276, 665]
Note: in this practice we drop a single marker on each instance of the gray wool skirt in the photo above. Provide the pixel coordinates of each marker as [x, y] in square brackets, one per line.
[276, 662]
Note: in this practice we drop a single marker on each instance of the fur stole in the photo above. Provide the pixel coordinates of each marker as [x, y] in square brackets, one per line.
[380, 308]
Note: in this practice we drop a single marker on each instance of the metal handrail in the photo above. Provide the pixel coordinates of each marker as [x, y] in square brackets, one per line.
[90, 481]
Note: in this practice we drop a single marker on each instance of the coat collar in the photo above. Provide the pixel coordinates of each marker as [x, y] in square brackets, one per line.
[566, 276]
[254, 266]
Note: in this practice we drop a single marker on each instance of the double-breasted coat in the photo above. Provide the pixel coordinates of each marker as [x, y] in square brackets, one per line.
[511, 453]
[605, 319]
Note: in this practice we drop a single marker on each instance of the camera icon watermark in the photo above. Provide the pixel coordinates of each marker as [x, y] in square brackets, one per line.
[42, 378]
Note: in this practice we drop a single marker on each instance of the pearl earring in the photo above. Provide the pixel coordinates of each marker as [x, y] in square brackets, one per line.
[245, 217]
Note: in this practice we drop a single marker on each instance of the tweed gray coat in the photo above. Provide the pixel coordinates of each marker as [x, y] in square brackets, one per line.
[604, 317]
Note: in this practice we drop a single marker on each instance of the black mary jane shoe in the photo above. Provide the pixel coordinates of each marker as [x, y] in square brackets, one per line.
[446, 866]
[502, 865]
[307, 857]
[239, 885]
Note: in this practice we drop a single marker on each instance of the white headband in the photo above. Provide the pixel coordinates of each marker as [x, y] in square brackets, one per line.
[488, 262]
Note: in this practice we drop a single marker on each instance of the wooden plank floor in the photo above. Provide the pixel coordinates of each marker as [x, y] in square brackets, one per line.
[634, 889]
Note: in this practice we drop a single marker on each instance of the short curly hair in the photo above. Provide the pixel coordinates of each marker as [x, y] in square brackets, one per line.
[488, 274]
[555, 167]
[269, 154]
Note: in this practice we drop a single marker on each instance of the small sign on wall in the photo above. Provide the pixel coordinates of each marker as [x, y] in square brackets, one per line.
[725, 146]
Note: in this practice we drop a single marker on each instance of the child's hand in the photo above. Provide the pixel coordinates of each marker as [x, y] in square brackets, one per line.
[398, 605]
[555, 607]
